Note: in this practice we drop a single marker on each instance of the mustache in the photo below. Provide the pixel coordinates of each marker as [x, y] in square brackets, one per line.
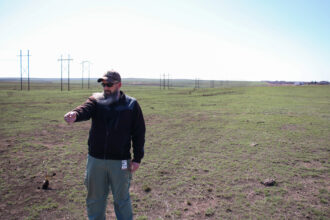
[109, 97]
[108, 93]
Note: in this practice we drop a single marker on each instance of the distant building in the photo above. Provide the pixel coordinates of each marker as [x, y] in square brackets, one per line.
[299, 83]
[324, 83]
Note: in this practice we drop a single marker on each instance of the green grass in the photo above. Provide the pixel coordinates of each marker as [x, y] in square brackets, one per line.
[206, 152]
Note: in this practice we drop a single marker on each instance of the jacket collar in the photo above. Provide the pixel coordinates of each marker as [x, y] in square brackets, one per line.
[122, 97]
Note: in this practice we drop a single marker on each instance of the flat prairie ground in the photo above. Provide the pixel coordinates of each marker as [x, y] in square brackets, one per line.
[207, 153]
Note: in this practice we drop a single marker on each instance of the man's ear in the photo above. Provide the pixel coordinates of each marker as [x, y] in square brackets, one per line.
[119, 85]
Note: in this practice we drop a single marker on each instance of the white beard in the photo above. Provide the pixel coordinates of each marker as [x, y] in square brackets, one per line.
[104, 99]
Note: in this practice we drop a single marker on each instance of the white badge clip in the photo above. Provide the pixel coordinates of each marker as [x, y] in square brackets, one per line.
[124, 164]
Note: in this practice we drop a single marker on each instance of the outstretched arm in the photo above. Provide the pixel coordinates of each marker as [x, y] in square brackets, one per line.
[82, 112]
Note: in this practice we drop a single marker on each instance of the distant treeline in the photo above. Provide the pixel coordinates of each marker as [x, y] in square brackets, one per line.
[298, 83]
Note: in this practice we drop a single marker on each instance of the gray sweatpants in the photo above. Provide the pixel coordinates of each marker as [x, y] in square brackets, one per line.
[102, 176]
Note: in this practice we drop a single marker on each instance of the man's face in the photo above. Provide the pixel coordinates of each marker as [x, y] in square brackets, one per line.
[111, 90]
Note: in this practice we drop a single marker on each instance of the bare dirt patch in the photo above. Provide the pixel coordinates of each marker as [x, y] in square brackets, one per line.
[308, 190]
[292, 127]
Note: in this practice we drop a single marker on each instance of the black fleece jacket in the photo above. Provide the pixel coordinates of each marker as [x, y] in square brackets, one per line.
[115, 127]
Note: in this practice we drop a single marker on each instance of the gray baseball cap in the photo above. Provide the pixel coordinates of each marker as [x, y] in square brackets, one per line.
[110, 76]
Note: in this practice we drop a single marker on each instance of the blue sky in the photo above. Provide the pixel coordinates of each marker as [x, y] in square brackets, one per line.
[208, 39]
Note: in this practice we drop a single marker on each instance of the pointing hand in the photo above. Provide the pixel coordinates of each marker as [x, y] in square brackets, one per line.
[70, 117]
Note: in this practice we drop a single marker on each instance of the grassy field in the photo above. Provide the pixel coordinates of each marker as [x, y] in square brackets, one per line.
[207, 152]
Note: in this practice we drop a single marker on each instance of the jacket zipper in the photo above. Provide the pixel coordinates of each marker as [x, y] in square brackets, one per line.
[105, 144]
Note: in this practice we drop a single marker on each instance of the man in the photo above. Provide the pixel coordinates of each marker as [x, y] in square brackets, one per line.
[117, 120]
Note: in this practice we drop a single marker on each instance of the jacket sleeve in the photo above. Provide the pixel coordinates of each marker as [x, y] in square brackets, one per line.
[138, 133]
[86, 110]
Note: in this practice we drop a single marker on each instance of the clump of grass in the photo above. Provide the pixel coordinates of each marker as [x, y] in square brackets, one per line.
[324, 196]
[209, 212]
[177, 213]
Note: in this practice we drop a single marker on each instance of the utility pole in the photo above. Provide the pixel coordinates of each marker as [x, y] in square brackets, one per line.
[28, 56]
[89, 72]
[196, 83]
[168, 81]
[61, 71]
[212, 84]
[20, 56]
[83, 70]
[68, 71]
[28, 67]
[82, 74]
